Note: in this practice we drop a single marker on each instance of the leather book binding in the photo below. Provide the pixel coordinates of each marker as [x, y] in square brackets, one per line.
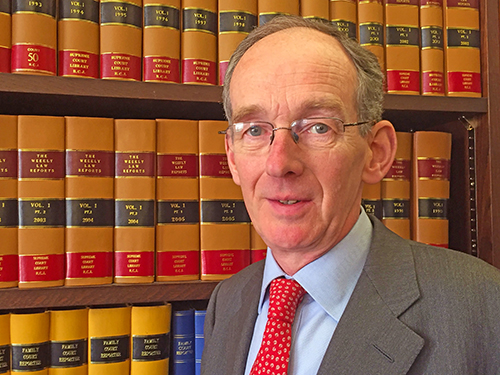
[431, 49]
[371, 199]
[343, 14]
[268, 9]
[371, 28]
[5, 35]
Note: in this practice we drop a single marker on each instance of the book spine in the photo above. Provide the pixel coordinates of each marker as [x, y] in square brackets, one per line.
[268, 9]
[258, 248]
[68, 342]
[183, 345]
[8, 202]
[29, 334]
[121, 39]
[463, 48]
[78, 38]
[225, 225]
[199, 42]
[5, 35]
[343, 14]
[41, 201]
[178, 204]
[34, 38]
[236, 20]
[371, 199]
[431, 187]
[315, 9]
[135, 151]
[395, 188]
[199, 338]
[89, 200]
[109, 341]
[162, 41]
[402, 47]
[371, 28]
[5, 345]
[150, 327]
[431, 50]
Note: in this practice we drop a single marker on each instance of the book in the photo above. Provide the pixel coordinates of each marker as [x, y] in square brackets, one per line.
[395, 188]
[150, 327]
[161, 41]
[183, 344]
[431, 187]
[402, 47]
[89, 200]
[29, 335]
[8, 202]
[371, 28]
[109, 341]
[371, 199]
[225, 224]
[343, 14]
[463, 48]
[199, 338]
[315, 9]
[199, 42]
[68, 342]
[134, 246]
[41, 201]
[121, 39]
[5, 347]
[258, 248]
[178, 202]
[431, 50]
[236, 20]
[268, 9]
[34, 40]
[78, 38]
[5, 35]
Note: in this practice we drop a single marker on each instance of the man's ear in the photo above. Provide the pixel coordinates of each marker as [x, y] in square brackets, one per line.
[382, 143]
[231, 163]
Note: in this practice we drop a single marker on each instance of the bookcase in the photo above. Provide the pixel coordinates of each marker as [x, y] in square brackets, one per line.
[474, 208]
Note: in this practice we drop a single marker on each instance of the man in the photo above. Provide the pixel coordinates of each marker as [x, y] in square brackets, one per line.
[304, 105]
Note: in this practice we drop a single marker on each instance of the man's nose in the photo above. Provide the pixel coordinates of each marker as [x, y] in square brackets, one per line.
[284, 156]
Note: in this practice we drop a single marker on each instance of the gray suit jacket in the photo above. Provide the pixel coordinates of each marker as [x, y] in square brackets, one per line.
[416, 309]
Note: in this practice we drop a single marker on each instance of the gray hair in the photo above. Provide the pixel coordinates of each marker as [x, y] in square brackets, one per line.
[369, 93]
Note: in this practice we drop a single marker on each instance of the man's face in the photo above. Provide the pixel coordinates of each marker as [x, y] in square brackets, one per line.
[300, 200]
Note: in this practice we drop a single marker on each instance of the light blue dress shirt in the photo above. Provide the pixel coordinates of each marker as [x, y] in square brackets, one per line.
[329, 282]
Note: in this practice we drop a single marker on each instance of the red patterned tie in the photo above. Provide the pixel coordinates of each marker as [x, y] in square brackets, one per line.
[284, 297]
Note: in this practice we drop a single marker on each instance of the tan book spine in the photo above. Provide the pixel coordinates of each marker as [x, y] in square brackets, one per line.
[29, 335]
[236, 19]
[396, 188]
[121, 39]
[5, 344]
[402, 47]
[431, 49]
[268, 9]
[109, 341]
[462, 48]
[258, 248]
[41, 201]
[431, 187]
[78, 38]
[343, 14]
[225, 225]
[199, 42]
[68, 342]
[34, 39]
[89, 200]
[8, 202]
[135, 154]
[315, 9]
[371, 28]
[162, 41]
[371, 199]
[5, 35]
[150, 326]
[178, 202]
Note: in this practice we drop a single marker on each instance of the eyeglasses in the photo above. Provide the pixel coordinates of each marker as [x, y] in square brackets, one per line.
[313, 133]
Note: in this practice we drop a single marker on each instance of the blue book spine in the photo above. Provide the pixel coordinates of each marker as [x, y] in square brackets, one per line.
[199, 338]
[183, 342]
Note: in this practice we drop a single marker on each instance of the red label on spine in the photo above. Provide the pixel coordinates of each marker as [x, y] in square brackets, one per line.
[434, 169]
[177, 263]
[432, 83]
[41, 267]
[134, 263]
[439, 245]
[8, 164]
[78, 64]
[223, 262]
[464, 82]
[33, 58]
[403, 80]
[474, 4]
[4, 59]
[436, 3]
[214, 165]
[199, 71]
[89, 265]
[258, 254]
[135, 164]
[402, 2]
[400, 170]
[120, 66]
[41, 164]
[222, 71]
[90, 163]
[8, 267]
[161, 69]
[178, 165]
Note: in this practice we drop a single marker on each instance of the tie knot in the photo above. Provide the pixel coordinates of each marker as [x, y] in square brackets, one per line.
[284, 297]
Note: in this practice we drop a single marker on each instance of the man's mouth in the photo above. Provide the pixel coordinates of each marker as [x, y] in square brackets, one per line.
[289, 202]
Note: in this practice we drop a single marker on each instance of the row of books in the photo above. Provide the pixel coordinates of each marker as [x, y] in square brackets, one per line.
[430, 47]
[412, 199]
[125, 340]
[96, 200]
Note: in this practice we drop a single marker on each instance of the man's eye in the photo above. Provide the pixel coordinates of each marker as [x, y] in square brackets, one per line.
[255, 131]
[319, 128]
